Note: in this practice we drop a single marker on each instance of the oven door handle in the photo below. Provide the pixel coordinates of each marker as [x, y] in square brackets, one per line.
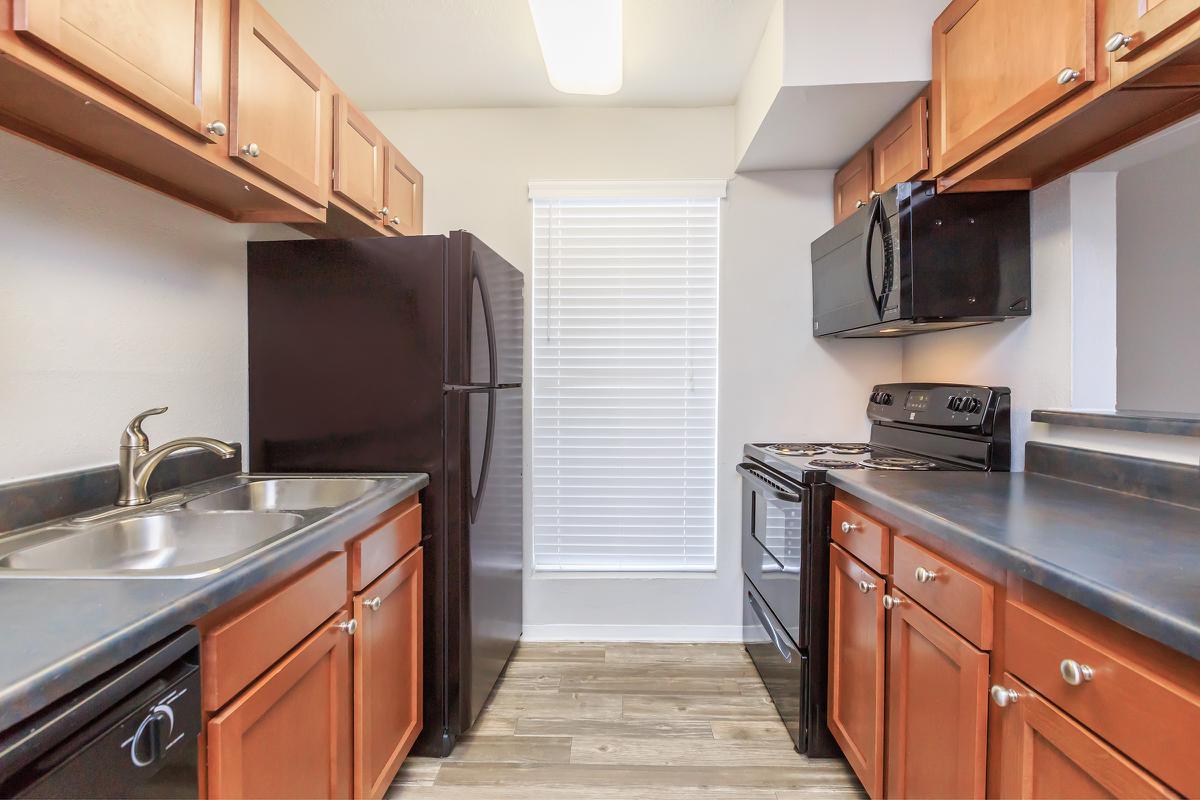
[770, 629]
[766, 486]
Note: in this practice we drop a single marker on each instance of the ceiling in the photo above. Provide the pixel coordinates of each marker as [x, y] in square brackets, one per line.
[396, 54]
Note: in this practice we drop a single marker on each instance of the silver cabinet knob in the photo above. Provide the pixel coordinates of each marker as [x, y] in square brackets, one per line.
[851, 526]
[1068, 75]
[374, 603]
[925, 575]
[859, 203]
[1075, 673]
[395, 221]
[1117, 41]
[217, 128]
[349, 627]
[251, 150]
[1003, 696]
[871, 195]
[865, 587]
[383, 212]
[891, 601]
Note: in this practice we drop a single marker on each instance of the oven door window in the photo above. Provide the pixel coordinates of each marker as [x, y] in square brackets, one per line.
[779, 528]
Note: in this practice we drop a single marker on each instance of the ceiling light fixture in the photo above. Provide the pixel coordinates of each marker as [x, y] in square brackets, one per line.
[581, 44]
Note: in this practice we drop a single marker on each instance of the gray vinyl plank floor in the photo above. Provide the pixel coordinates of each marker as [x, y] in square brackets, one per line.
[628, 721]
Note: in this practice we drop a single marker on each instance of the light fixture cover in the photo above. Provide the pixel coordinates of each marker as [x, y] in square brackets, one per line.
[581, 44]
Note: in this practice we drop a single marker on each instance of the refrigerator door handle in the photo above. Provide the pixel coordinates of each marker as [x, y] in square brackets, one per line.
[488, 320]
[477, 493]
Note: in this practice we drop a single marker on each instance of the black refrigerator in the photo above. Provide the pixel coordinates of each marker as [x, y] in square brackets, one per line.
[405, 354]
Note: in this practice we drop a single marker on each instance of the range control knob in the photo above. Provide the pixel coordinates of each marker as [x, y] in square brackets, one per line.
[885, 398]
[951, 403]
[973, 405]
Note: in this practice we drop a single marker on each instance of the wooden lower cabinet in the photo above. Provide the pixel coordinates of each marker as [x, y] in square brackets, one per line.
[856, 666]
[388, 655]
[288, 735]
[1046, 754]
[936, 708]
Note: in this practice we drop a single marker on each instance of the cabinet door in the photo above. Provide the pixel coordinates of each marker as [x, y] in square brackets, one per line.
[404, 194]
[358, 166]
[278, 104]
[288, 735]
[388, 652]
[152, 50]
[856, 650]
[1046, 754]
[999, 63]
[852, 185]
[901, 150]
[1138, 34]
[936, 708]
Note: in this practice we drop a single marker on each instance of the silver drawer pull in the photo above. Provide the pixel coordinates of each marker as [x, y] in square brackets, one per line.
[925, 575]
[374, 603]
[1117, 41]
[217, 128]
[349, 627]
[851, 526]
[252, 150]
[865, 587]
[891, 601]
[1003, 696]
[1068, 75]
[1075, 673]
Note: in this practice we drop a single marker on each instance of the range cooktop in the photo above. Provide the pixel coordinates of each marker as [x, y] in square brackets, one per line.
[839, 456]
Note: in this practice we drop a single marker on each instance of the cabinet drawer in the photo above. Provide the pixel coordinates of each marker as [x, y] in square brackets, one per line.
[241, 649]
[961, 600]
[867, 539]
[376, 550]
[1149, 718]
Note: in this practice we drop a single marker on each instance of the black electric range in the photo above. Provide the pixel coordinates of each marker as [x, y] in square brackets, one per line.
[786, 504]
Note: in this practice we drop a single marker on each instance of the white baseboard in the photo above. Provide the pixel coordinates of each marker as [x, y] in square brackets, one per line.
[632, 633]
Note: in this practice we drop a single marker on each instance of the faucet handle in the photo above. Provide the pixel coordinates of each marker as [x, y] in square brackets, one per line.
[134, 436]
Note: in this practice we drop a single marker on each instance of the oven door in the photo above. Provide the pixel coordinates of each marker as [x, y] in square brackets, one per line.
[782, 667]
[776, 520]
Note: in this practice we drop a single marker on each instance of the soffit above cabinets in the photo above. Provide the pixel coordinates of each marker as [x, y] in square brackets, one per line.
[827, 76]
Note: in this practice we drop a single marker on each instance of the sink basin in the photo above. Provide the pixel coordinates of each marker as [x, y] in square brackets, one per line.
[285, 494]
[168, 541]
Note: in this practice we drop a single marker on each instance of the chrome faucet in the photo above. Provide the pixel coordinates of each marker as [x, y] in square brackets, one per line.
[137, 461]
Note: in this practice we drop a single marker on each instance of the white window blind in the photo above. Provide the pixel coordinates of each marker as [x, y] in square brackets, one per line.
[625, 378]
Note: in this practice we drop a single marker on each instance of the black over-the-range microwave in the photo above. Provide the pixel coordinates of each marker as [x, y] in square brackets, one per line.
[913, 260]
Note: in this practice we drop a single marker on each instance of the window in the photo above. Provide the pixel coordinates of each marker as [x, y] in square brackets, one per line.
[625, 376]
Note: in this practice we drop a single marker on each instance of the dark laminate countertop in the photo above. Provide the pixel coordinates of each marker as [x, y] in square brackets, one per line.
[56, 634]
[1133, 560]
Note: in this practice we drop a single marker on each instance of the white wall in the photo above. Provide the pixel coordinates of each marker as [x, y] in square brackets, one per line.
[477, 164]
[113, 299]
[1158, 280]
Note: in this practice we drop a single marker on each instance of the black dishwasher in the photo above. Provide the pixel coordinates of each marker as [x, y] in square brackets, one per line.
[131, 733]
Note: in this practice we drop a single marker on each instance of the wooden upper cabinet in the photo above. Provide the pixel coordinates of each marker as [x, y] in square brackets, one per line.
[936, 708]
[1139, 34]
[856, 658]
[404, 194]
[165, 54]
[388, 653]
[280, 102]
[901, 150]
[852, 185]
[358, 158]
[1044, 754]
[999, 63]
[288, 735]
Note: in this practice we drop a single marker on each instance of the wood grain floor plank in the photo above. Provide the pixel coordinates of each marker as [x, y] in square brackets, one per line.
[576, 721]
[639, 728]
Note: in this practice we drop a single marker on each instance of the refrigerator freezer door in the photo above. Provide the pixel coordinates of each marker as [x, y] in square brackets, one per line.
[486, 541]
[485, 309]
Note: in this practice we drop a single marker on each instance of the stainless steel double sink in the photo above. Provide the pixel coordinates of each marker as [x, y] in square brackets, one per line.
[181, 535]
